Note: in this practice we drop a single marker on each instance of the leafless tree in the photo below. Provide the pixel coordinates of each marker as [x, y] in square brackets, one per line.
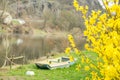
[3, 5]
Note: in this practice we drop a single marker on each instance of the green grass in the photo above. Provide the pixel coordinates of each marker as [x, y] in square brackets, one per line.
[59, 74]
[56, 74]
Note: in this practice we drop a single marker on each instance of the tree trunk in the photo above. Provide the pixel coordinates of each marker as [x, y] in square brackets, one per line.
[4, 3]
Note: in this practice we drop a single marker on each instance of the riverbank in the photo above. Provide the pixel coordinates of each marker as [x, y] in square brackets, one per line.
[60, 74]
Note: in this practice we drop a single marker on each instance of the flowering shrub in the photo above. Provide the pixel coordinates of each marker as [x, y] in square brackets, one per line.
[103, 37]
[72, 48]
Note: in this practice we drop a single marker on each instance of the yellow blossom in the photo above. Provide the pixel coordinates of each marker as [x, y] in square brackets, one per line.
[87, 60]
[82, 60]
[87, 68]
[70, 38]
[71, 58]
[86, 46]
[103, 37]
[67, 50]
[73, 45]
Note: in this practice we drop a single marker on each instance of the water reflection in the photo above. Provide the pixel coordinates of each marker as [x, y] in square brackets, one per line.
[35, 47]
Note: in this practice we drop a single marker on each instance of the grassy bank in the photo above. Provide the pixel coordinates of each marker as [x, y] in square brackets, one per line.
[57, 74]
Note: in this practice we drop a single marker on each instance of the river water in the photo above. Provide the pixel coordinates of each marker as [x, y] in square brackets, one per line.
[34, 47]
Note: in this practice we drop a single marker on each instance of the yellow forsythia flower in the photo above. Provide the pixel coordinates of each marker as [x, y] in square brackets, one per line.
[86, 46]
[71, 58]
[87, 68]
[82, 60]
[103, 37]
[87, 60]
[73, 45]
[67, 50]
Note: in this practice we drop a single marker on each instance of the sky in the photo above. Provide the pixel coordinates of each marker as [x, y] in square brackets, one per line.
[109, 4]
[101, 3]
